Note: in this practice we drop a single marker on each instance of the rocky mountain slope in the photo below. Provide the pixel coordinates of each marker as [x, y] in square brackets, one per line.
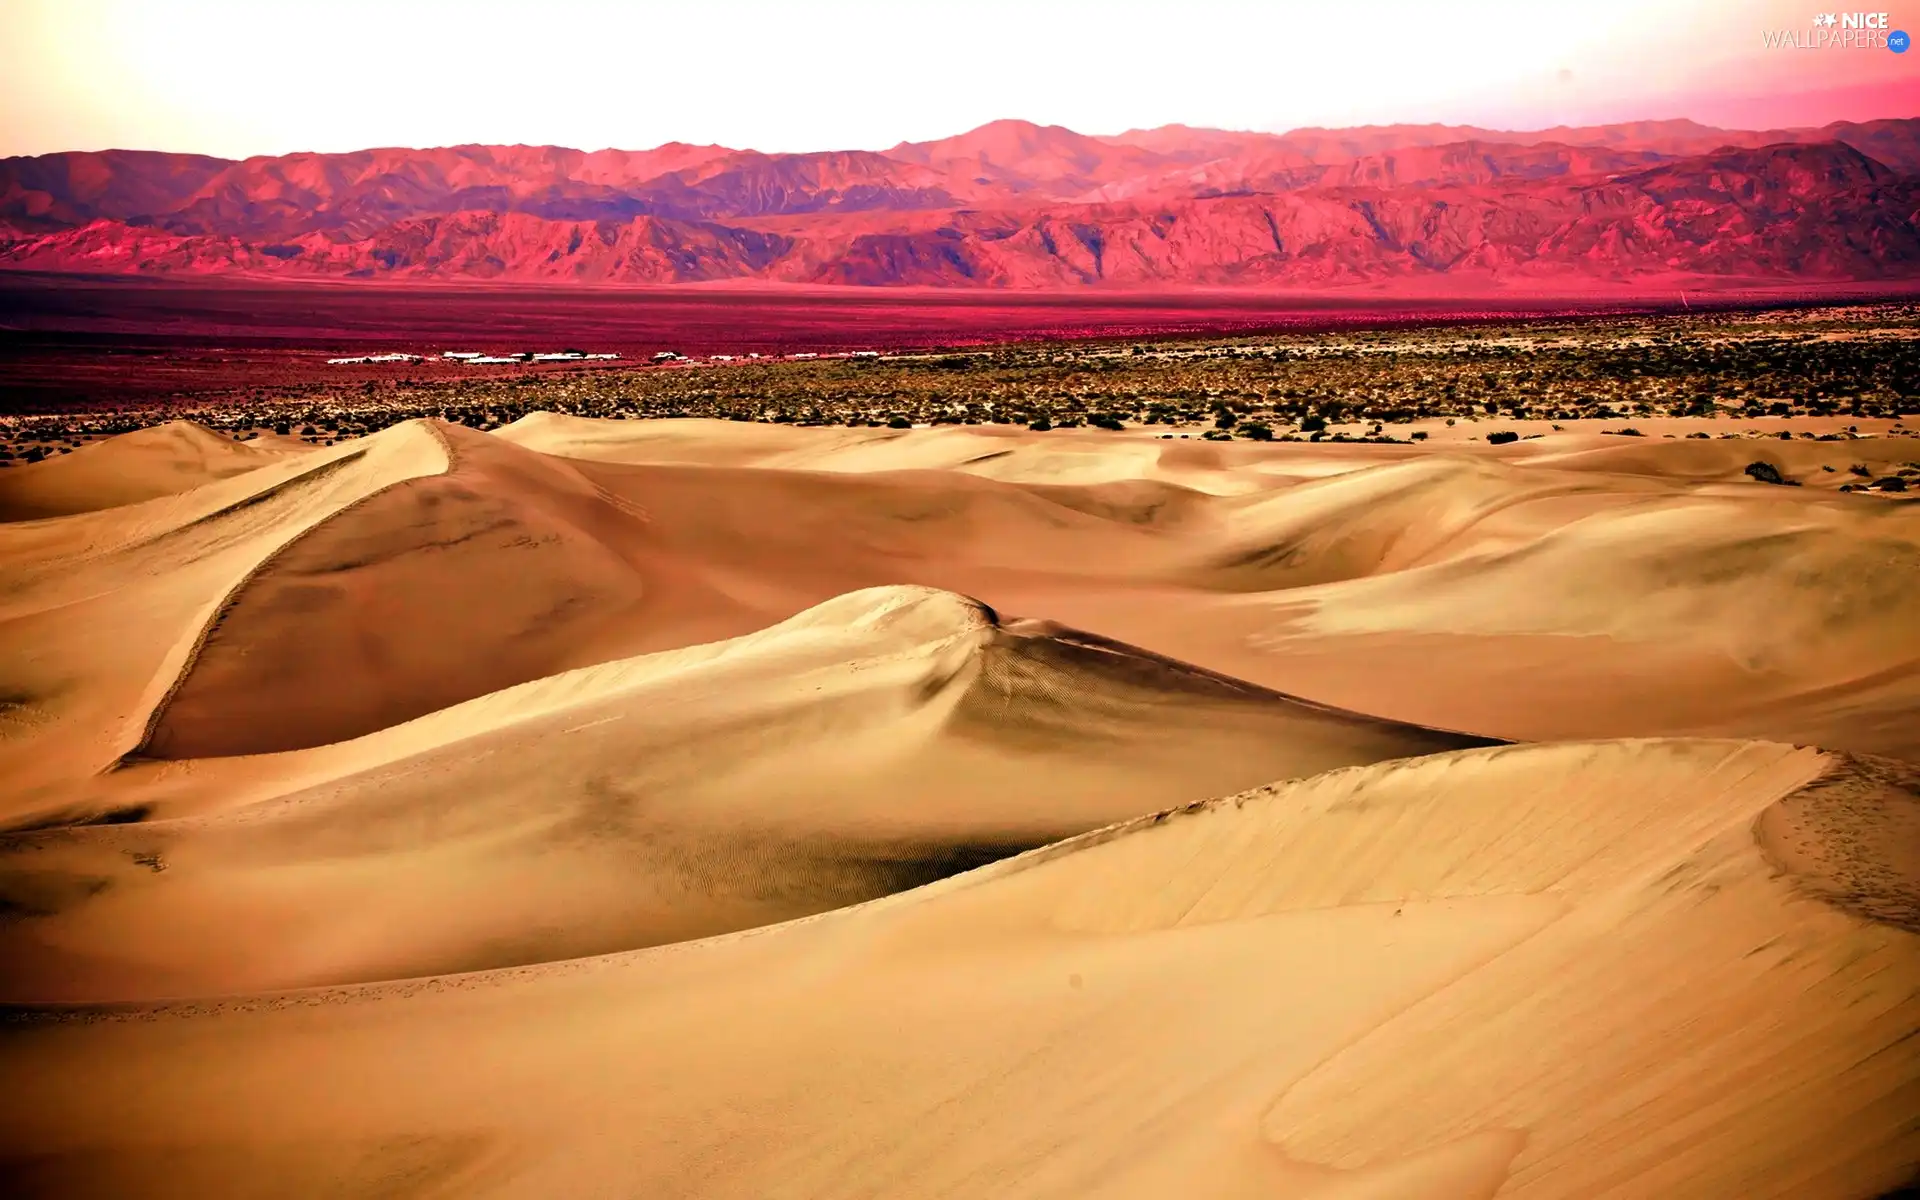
[1011, 204]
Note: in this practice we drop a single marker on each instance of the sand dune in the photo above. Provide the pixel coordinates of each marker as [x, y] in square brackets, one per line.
[876, 742]
[160, 461]
[1590, 542]
[1007, 453]
[627, 807]
[101, 612]
[332, 594]
[376, 614]
[1726, 613]
[1540, 564]
[1393, 517]
[1723, 461]
[1538, 971]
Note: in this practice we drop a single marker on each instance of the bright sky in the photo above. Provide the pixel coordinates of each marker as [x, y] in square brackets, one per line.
[273, 76]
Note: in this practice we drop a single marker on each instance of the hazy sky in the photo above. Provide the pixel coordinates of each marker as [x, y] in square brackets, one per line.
[263, 77]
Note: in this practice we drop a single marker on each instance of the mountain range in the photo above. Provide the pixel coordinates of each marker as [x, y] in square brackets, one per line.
[1012, 205]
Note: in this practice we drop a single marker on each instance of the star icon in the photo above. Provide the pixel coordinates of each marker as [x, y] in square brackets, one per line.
[1823, 18]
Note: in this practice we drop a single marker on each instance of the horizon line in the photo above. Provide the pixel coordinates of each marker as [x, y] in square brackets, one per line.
[1039, 126]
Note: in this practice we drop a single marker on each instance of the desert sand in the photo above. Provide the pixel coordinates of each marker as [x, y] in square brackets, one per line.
[691, 808]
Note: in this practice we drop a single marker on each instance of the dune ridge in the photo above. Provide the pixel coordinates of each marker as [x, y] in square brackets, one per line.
[159, 461]
[103, 609]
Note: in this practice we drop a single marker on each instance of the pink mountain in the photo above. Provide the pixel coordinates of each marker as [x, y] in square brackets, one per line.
[1012, 204]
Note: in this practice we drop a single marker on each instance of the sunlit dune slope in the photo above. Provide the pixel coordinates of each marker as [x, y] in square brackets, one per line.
[1714, 609]
[132, 467]
[1653, 968]
[1789, 593]
[875, 742]
[1392, 517]
[1001, 452]
[1721, 460]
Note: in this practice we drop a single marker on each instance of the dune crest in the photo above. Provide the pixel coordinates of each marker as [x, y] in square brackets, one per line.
[162, 460]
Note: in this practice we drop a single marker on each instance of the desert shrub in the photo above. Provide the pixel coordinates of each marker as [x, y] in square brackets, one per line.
[1501, 437]
[1040, 423]
[1316, 423]
[1763, 472]
[1256, 431]
[899, 422]
[1105, 421]
[1892, 483]
[1418, 435]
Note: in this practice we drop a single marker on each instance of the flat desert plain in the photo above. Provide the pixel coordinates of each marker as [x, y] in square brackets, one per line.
[704, 808]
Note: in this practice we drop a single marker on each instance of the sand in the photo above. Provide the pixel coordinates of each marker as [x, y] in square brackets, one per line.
[694, 808]
[1563, 970]
[878, 741]
[160, 461]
